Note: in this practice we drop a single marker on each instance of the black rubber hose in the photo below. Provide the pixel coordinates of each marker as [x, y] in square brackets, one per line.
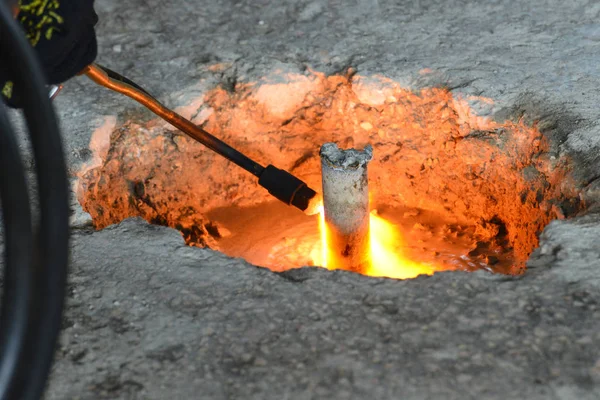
[18, 275]
[49, 249]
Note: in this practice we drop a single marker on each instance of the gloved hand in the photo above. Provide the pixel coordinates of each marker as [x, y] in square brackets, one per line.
[63, 37]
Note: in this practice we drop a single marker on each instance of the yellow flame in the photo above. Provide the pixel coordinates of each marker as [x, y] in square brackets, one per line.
[323, 231]
[385, 258]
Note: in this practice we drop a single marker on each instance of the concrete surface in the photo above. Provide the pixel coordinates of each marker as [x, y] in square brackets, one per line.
[149, 318]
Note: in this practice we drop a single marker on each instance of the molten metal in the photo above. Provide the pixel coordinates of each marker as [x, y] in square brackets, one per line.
[346, 206]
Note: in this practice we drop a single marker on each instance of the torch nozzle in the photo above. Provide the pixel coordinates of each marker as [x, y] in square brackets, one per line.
[315, 205]
[287, 188]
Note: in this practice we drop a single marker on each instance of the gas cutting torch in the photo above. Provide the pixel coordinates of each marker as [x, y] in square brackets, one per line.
[63, 37]
[280, 184]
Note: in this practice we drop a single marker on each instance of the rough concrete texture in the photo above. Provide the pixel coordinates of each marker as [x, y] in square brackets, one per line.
[151, 318]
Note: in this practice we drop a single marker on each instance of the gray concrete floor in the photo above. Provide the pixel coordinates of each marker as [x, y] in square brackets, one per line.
[149, 318]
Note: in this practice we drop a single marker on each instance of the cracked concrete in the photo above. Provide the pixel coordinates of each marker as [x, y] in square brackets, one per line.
[149, 318]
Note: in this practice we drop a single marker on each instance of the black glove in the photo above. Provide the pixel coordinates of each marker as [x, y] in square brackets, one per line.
[63, 37]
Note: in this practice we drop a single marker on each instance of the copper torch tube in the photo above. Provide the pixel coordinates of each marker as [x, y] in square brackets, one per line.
[119, 84]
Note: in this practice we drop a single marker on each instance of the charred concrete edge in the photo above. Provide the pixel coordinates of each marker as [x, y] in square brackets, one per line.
[555, 121]
[194, 257]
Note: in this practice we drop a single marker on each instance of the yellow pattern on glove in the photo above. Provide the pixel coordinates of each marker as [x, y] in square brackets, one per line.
[7, 90]
[40, 19]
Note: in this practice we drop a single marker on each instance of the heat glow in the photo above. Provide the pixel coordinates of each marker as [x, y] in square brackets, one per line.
[386, 259]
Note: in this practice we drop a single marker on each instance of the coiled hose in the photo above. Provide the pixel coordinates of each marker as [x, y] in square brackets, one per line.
[36, 252]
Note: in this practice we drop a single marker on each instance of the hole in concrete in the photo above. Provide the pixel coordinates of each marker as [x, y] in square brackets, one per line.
[452, 189]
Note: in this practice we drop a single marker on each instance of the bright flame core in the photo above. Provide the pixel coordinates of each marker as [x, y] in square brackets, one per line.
[385, 258]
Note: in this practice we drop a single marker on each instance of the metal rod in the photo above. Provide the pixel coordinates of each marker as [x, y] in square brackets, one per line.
[346, 206]
[108, 79]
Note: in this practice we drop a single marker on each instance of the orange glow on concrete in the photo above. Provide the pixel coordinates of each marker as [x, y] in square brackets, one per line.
[437, 152]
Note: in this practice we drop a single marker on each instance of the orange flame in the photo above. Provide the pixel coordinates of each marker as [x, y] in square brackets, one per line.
[386, 259]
